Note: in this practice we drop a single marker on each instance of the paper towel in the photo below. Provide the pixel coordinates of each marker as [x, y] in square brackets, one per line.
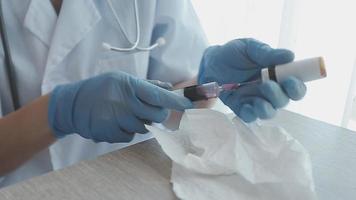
[216, 156]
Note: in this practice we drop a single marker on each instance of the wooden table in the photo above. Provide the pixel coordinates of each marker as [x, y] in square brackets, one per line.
[142, 171]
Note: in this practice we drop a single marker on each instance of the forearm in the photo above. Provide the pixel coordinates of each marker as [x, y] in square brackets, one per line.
[24, 133]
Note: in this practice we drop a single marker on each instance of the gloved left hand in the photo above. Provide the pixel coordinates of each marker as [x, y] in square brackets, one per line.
[242, 60]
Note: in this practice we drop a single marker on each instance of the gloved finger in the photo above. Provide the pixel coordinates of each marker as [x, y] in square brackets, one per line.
[148, 112]
[232, 98]
[272, 92]
[265, 56]
[262, 108]
[165, 85]
[132, 124]
[294, 88]
[109, 131]
[156, 96]
[247, 113]
[120, 135]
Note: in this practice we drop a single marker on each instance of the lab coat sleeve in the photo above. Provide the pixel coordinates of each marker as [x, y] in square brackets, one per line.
[2, 72]
[6, 105]
[178, 60]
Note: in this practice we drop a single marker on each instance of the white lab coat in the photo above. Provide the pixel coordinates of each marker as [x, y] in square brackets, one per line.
[48, 50]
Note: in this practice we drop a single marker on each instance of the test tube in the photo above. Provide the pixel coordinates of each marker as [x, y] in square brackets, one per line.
[200, 92]
[306, 70]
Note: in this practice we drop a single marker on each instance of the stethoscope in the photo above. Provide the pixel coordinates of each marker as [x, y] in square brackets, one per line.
[135, 45]
[9, 65]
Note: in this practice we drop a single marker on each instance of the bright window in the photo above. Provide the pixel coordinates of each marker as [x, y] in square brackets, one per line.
[308, 27]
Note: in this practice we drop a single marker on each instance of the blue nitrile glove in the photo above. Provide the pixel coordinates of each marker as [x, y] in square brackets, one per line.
[110, 107]
[242, 60]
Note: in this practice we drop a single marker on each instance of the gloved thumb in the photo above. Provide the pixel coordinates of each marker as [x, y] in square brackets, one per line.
[157, 96]
[165, 85]
[266, 56]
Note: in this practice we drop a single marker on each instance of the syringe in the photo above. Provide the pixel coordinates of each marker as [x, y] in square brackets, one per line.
[306, 70]
[209, 90]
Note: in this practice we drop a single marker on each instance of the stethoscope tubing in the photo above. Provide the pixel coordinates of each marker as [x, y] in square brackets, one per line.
[134, 45]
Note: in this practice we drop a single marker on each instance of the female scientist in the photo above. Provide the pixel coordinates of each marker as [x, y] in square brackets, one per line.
[79, 101]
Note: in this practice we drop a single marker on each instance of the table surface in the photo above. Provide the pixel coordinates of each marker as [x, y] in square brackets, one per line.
[142, 171]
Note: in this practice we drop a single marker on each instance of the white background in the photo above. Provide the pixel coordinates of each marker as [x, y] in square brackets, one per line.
[309, 28]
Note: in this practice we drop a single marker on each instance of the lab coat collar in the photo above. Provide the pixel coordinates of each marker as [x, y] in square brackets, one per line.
[40, 19]
[76, 19]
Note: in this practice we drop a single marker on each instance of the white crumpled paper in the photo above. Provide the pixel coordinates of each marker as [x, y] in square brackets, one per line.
[216, 156]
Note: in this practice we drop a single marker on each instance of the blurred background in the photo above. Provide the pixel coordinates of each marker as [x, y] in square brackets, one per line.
[309, 28]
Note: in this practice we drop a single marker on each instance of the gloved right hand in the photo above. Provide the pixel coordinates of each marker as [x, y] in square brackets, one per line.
[241, 61]
[110, 107]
